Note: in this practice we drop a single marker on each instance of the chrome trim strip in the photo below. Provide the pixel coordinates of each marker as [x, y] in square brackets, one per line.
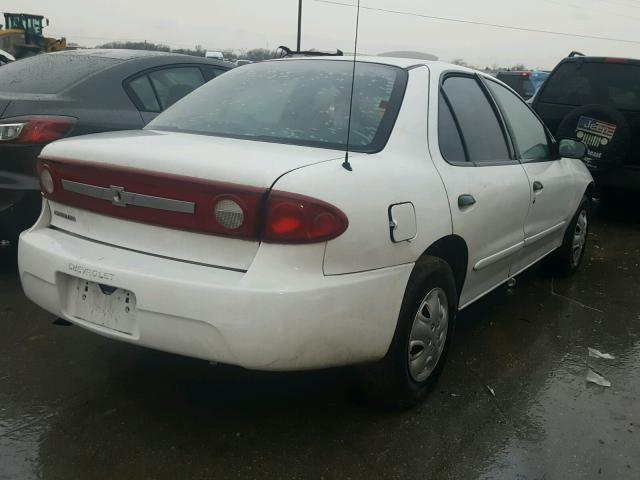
[496, 257]
[120, 197]
[88, 190]
[539, 236]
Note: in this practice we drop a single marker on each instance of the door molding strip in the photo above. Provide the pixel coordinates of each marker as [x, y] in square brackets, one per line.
[496, 257]
[545, 233]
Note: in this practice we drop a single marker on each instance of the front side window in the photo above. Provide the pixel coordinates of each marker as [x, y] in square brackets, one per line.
[478, 122]
[299, 102]
[529, 134]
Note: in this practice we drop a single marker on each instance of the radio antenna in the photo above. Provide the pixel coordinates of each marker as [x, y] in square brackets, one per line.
[346, 165]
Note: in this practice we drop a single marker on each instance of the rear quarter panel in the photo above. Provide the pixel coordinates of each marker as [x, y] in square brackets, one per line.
[99, 103]
[402, 172]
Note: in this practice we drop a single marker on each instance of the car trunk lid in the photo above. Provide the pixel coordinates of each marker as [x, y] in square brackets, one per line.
[155, 192]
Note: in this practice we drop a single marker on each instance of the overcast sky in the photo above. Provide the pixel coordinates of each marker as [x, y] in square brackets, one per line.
[242, 24]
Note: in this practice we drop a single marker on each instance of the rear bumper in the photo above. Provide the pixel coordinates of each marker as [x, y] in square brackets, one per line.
[283, 314]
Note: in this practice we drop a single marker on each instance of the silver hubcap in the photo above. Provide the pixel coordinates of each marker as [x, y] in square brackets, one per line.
[579, 238]
[428, 334]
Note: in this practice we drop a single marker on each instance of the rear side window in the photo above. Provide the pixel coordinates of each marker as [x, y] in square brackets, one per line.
[171, 84]
[212, 72]
[529, 134]
[583, 83]
[50, 73]
[479, 125]
[448, 134]
[144, 95]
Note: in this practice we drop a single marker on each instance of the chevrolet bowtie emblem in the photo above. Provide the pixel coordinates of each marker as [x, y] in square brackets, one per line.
[118, 196]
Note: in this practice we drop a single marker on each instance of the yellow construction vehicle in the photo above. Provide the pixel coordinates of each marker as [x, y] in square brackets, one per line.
[22, 36]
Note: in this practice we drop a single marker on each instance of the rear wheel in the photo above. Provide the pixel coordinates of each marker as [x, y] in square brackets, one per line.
[567, 259]
[423, 334]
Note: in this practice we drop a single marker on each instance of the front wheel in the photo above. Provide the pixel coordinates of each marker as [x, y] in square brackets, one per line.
[567, 259]
[422, 338]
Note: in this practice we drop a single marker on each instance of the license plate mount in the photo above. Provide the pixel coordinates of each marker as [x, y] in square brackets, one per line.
[104, 305]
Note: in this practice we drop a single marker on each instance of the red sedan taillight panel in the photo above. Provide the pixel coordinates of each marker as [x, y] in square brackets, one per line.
[189, 203]
[155, 198]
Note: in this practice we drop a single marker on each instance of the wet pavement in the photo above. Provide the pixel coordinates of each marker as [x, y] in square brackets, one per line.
[76, 406]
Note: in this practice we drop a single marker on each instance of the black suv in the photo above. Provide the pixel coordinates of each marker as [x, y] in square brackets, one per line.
[597, 100]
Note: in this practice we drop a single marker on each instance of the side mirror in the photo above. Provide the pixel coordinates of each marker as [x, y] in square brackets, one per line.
[569, 148]
[47, 21]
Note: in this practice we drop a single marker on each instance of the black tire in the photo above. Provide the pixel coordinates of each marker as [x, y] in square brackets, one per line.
[607, 149]
[389, 381]
[562, 262]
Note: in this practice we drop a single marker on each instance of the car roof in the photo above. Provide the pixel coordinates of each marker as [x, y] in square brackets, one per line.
[126, 55]
[401, 62]
[622, 60]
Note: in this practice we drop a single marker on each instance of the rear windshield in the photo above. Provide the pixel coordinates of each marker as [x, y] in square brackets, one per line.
[583, 83]
[49, 73]
[300, 102]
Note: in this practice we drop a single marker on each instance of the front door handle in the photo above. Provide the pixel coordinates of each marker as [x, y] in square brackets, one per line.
[537, 186]
[466, 200]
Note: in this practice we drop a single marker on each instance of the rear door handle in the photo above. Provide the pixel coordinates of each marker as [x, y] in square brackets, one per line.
[466, 200]
[537, 186]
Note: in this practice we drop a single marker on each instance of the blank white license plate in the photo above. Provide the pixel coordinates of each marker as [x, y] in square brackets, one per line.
[109, 307]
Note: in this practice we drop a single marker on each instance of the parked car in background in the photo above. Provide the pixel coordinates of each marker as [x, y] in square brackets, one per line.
[233, 229]
[520, 81]
[597, 100]
[538, 77]
[525, 83]
[47, 97]
[214, 55]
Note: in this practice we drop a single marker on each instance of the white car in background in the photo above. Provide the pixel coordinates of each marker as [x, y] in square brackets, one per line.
[214, 54]
[231, 229]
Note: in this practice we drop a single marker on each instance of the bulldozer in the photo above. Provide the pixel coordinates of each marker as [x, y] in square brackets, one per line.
[22, 36]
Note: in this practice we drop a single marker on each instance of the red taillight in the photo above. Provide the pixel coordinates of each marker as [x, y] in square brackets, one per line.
[35, 130]
[292, 218]
[526, 74]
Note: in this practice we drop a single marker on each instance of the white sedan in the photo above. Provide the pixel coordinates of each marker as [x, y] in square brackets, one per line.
[234, 228]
